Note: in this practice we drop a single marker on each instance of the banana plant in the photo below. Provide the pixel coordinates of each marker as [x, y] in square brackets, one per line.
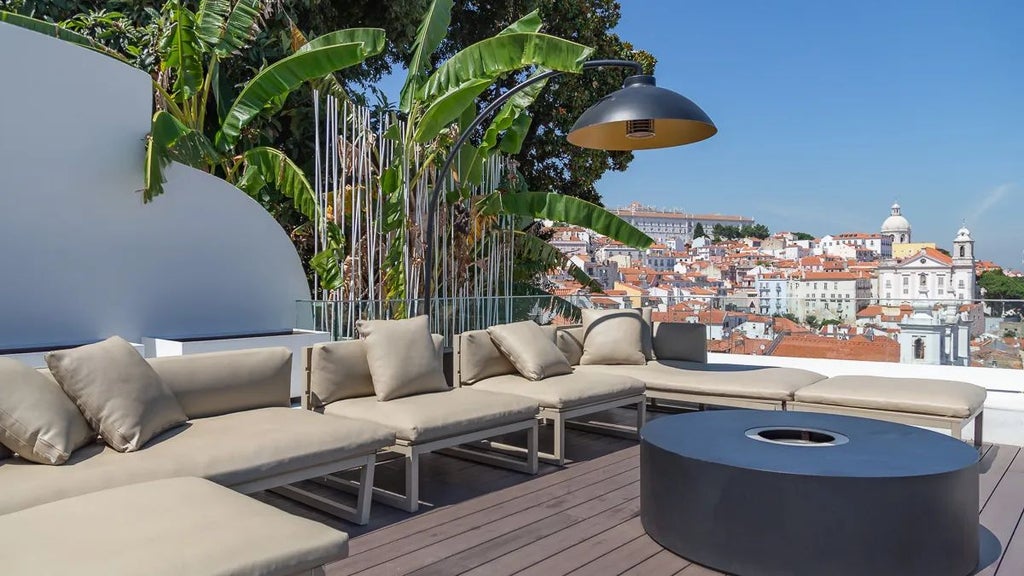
[188, 88]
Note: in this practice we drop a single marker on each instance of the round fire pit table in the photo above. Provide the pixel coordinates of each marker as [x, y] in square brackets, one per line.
[768, 493]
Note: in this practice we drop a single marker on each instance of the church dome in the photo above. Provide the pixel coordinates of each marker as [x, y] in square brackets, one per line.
[895, 223]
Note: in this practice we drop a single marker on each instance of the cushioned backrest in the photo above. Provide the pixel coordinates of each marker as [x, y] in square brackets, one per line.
[217, 383]
[680, 341]
[478, 358]
[339, 370]
[570, 341]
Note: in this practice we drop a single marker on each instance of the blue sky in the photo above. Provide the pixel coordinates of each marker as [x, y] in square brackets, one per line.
[829, 111]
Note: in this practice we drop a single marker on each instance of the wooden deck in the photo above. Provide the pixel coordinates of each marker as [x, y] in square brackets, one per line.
[583, 519]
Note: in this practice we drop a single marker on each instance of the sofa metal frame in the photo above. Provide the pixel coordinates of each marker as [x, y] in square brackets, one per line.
[411, 451]
[560, 417]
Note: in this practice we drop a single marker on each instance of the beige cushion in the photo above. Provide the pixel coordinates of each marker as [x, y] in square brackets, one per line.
[530, 349]
[428, 417]
[914, 395]
[234, 450]
[37, 420]
[402, 358]
[479, 358]
[727, 380]
[568, 390]
[570, 342]
[215, 383]
[612, 337]
[117, 391]
[168, 527]
[339, 370]
[647, 334]
[680, 341]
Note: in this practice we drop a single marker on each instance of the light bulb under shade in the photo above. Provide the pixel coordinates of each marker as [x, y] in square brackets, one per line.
[607, 124]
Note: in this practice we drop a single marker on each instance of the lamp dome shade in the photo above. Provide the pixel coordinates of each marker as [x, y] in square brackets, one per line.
[641, 116]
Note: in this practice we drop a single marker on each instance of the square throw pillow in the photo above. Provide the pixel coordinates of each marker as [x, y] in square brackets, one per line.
[531, 349]
[612, 337]
[647, 338]
[119, 393]
[570, 342]
[37, 420]
[402, 358]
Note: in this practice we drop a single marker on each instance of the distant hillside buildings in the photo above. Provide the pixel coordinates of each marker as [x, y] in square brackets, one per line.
[856, 295]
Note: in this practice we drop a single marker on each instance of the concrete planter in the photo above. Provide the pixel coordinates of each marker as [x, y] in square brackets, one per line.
[295, 341]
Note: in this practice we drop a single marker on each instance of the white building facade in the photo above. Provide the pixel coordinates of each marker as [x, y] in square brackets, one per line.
[667, 225]
[829, 295]
[931, 275]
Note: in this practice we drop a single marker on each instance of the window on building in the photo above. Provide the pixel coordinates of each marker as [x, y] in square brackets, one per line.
[960, 284]
[961, 251]
[942, 281]
[888, 283]
[922, 280]
[918, 349]
[835, 285]
[906, 281]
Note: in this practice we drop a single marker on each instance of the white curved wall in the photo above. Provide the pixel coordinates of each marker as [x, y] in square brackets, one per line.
[81, 257]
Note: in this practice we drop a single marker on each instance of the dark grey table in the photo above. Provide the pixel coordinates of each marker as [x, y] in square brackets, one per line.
[756, 493]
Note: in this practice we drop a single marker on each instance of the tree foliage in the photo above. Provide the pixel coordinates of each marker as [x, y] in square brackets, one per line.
[698, 231]
[546, 161]
[728, 232]
[803, 236]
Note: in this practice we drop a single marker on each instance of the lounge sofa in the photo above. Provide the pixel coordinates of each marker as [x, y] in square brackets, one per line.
[340, 383]
[676, 371]
[241, 433]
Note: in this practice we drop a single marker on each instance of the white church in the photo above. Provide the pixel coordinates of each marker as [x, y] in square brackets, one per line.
[927, 274]
[936, 285]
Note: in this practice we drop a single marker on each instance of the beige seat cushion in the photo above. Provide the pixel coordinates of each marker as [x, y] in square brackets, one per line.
[402, 358]
[117, 391]
[232, 449]
[531, 349]
[914, 395]
[168, 527]
[37, 420]
[428, 417]
[730, 380]
[567, 391]
[613, 337]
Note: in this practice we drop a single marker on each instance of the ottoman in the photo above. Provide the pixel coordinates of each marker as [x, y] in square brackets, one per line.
[173, 526]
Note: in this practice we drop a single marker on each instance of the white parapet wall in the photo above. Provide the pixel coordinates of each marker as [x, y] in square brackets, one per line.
[1004, 407]
[37, 358]
[296, 341]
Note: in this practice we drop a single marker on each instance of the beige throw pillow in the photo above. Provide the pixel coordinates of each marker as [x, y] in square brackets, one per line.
[402, 358]
[118, 392]
[37, 420]
[531, 349]
[647, 337]
[612, 337]
[570, 342]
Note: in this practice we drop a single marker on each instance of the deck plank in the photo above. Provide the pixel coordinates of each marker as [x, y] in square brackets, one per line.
[590, 549]
[442, 541]
[663, 563]
[620, 559]
[1002, 513]
[578, 518]
[992, 467]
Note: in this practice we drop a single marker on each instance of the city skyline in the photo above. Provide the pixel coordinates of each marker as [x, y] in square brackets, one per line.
[830, 113]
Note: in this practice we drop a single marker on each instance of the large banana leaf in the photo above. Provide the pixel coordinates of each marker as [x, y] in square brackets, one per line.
[170, 139]
[431, 33]
[51, 29]
[559, 305]
[210, 20]
[182, 53]
[469, 72]
[372, 39]
[512, 141]
[533, 248]
[529, 23]
[241, 27]
[282, 77]
[326, 263]
[568, 209]
[265, 166]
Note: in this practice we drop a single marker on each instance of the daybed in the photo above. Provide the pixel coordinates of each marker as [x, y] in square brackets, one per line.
[416, 405]
[240, 433]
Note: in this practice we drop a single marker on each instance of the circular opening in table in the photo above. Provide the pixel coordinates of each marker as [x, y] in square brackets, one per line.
[797, 436]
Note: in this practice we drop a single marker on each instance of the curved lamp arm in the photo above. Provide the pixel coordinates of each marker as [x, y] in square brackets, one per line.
[442, 178]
